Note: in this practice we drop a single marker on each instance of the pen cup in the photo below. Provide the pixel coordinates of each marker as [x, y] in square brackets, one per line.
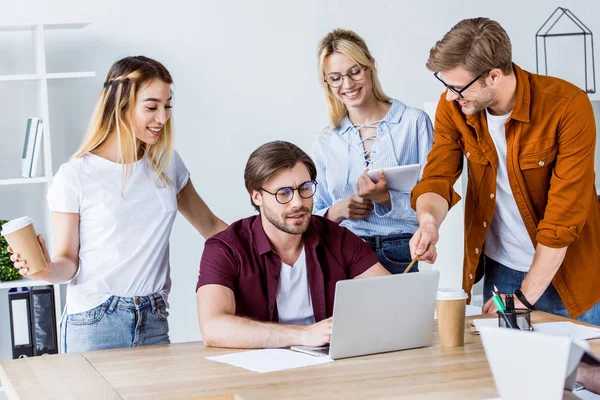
[522, 316]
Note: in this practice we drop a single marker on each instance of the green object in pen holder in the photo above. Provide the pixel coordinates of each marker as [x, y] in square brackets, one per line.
[522, 316]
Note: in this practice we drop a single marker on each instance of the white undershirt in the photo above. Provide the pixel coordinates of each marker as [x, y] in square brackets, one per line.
[507, 240]
[123, 230]
[294, 304]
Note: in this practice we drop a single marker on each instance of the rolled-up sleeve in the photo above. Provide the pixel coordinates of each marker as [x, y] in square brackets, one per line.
[400, 200]
[445, 161]
[218, 265]
[572, 182]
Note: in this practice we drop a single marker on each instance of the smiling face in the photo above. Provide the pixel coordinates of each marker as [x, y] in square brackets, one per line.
[293, 217]
[151, 111]
[352, 93]
[475, 98]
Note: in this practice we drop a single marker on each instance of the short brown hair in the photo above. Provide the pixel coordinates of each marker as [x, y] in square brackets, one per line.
[270, 158]
[478, 44]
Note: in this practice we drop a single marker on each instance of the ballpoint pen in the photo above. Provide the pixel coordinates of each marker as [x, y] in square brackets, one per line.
[500, 306]
[510, 308]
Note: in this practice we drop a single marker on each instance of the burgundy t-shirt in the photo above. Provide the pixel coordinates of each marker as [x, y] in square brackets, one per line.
[241, 258]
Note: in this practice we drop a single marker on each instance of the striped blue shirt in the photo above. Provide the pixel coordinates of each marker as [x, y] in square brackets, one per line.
[404, 136]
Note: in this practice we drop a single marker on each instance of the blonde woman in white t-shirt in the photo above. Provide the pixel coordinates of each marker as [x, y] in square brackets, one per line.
[113, 206]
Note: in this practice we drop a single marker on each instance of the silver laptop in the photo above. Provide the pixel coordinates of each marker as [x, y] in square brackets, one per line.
[376, 315]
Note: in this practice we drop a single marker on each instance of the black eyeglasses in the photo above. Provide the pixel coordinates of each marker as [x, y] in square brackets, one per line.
[335, 79]
[285, 194]
[457, 91]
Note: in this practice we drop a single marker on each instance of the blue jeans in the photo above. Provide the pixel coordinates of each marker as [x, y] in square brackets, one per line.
[116, 323]
[392, 251]
[508, 280]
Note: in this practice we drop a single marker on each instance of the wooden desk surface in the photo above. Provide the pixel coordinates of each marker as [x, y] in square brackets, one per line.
[180, 371]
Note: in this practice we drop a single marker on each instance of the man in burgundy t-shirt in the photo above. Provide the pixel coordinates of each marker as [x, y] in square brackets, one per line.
[269, 280]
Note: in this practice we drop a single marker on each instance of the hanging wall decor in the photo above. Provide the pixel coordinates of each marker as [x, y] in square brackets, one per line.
[564, 47]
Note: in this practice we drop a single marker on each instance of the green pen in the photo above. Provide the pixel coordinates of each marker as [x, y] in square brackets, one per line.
[498, 302]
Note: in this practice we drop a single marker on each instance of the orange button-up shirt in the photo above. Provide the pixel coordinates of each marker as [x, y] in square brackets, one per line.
[551, 137]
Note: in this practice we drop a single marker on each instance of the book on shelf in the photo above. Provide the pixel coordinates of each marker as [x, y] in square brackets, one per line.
[31, 147]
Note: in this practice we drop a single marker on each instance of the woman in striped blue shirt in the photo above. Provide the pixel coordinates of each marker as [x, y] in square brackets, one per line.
[369, 130]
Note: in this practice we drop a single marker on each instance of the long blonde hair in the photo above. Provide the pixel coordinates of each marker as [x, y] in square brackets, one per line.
[350, 44]
[114, 110]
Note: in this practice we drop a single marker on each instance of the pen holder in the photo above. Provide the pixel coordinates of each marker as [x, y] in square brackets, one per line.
[521, 316]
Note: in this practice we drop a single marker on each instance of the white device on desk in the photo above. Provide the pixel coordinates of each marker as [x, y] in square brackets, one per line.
[402, 177]
[376, 315]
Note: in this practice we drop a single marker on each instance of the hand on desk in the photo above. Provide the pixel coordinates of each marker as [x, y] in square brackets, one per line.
[490, 308]
[318, 334]
[589, 377]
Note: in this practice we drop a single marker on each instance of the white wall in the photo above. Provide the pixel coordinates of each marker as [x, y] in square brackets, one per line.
[245, 74]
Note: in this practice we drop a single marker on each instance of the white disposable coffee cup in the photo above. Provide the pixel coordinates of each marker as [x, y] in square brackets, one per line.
[22, 238]
[450, 308]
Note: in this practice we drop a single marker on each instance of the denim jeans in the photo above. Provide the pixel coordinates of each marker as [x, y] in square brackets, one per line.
[392, 251]
[116, 323]
[508, 280]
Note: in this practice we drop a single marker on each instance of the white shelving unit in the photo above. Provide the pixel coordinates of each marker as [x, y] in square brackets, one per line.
[42, 76]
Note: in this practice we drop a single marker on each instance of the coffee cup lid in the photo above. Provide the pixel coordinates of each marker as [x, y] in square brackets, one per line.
[451, 294]
[15, 224]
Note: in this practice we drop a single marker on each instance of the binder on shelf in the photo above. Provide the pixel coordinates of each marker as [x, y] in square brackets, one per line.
[29, 146]
[43, 321]
[37, 149]
[20, 322]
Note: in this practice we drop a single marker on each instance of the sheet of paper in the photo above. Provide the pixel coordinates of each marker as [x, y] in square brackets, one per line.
[545, 367]
[586, 395]
[582, 394]
[269, 360]
[568, 329]
[488, 322]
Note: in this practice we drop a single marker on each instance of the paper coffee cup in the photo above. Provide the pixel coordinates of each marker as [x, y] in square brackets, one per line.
[450, 308]
[21, 236]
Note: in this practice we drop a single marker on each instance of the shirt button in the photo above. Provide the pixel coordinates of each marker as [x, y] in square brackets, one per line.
[476, 251]
[276, 276]
[467, 154]
[270, 306]
[541, 163]
[470, 276]
[492, 195]
[484, 224]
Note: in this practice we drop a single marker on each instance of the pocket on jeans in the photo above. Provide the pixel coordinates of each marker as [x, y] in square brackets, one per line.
[161, 311]
[89, 317]
[394, 255]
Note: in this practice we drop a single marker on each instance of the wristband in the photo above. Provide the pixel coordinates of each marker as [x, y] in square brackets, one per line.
[523, 299]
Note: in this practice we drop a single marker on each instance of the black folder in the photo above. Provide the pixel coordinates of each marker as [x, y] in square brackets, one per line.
[20, 322]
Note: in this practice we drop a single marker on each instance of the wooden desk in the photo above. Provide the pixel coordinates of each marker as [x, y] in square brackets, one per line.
[180, 371]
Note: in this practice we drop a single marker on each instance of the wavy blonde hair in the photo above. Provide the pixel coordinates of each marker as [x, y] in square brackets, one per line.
[350, 44]
[113, 113]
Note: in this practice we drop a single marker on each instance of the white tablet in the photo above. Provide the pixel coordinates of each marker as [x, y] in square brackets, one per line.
[402, 177]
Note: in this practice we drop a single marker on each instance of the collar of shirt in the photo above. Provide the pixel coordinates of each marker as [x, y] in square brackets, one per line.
[393, 116]
[521, 109]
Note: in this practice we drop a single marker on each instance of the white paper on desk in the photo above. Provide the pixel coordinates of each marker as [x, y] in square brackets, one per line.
[269, 360]
[547, 364]
[582, 394]
[487, 322]
[568, 329]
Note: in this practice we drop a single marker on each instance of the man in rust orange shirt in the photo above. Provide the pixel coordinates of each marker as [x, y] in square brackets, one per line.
[532, 217]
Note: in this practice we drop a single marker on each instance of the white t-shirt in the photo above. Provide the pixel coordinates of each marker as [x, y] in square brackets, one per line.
[123, 232]
[294, 304]
[507, 240]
